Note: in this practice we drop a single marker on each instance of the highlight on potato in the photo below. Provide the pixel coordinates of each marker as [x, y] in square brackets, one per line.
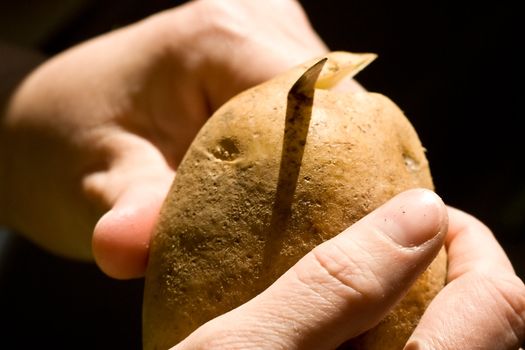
[274, 172]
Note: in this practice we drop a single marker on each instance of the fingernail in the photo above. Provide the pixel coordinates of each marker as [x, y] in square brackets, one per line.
[413, 217]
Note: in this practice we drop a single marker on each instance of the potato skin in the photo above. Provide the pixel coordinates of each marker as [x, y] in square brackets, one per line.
[220, 240]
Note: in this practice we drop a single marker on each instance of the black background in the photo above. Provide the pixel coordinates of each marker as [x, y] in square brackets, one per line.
[455, 68]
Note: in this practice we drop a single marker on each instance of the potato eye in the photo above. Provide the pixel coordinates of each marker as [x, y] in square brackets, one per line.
[226, 149]
[410, 163]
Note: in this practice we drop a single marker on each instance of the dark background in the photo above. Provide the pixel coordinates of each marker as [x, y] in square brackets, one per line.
[455, 68]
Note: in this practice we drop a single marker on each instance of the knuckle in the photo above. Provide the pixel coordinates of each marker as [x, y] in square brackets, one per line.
[346, 273]
[224, 20]
[213, 336]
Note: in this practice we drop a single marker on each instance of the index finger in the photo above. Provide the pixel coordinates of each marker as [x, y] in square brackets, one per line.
[471, 246]
[483, 304]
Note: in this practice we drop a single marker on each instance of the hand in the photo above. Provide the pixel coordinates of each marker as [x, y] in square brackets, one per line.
[337, 291]
[95, 135]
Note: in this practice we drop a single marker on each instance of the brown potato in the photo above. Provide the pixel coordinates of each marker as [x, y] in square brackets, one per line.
[273, 173]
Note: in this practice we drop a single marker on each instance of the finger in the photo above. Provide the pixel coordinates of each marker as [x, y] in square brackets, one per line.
[466, 233]
[483, 304]
[121, 237]
[343, 287]
[134, 188]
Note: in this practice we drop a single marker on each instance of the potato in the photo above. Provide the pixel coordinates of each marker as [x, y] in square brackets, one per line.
[274, 172]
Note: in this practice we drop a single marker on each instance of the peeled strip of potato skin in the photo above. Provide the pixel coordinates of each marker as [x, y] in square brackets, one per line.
[222, 238]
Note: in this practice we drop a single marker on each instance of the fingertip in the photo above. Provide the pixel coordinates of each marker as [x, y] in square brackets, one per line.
[428, 200]
[114, 253]
[121, 237]
[413, 217]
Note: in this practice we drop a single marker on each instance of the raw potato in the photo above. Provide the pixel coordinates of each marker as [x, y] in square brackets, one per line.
[250, 199]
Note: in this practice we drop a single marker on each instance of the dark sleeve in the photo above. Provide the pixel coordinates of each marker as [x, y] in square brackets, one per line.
[15, 64]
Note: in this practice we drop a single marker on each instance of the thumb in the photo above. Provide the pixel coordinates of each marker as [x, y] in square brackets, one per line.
[134, 187]
[121, 237]
[343, 287]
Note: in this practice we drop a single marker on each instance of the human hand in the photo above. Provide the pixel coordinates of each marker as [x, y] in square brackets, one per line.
[95, 135]
[346, 286]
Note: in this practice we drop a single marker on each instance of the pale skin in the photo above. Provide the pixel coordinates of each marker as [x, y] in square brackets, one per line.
[92, 139]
